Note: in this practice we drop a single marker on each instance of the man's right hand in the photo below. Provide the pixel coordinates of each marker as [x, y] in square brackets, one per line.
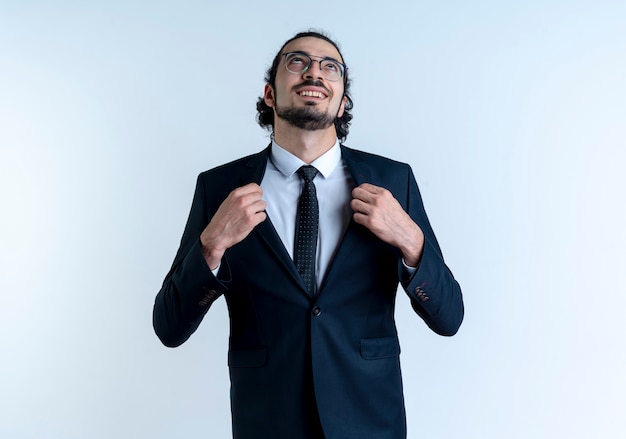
[240, 212]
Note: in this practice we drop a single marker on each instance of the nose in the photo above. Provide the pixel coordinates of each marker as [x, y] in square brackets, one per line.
[314, 70]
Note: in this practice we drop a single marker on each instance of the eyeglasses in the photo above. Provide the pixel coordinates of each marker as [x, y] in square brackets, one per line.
[298, 63]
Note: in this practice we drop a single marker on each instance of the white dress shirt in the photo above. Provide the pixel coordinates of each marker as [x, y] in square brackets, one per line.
[281, 191]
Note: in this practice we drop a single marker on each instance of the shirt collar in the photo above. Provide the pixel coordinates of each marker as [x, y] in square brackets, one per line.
[288, 164]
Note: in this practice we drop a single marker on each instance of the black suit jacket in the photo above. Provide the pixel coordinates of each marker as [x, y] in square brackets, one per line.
[295, 361]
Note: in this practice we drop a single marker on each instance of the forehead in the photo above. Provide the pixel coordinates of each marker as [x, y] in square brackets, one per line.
[313, 46]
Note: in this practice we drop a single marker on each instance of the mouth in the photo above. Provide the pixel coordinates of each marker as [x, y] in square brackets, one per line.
[312, 90]
[312, 94]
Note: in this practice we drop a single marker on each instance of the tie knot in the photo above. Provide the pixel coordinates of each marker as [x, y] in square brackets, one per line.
[307, 173]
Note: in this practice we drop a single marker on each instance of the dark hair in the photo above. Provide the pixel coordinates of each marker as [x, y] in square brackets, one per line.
[265, 116]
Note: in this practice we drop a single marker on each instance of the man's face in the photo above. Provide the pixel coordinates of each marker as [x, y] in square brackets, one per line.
[307, 100]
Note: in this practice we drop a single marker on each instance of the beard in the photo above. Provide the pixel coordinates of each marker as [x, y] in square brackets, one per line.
[307, 118]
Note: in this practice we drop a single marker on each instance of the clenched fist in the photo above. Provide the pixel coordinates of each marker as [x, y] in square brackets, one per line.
[236, 217]
[376, 208]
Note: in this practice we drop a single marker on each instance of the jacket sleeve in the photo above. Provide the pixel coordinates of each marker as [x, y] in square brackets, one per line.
[190, 287]
[435, 294]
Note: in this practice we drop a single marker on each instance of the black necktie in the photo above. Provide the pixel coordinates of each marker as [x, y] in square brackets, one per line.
[307, 222]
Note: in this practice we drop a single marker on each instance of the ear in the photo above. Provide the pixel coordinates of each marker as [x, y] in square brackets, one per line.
[268, 96]
[342, 106]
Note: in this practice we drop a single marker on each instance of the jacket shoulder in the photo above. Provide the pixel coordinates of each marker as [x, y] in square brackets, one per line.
[235, 166]
[370, 158]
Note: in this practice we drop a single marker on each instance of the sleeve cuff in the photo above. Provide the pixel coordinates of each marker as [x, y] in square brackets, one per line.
[407, 268]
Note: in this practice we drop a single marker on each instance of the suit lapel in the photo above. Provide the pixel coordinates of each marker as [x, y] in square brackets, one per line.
[254, 168]
[254, 172]
[360, 173]
[358, 167]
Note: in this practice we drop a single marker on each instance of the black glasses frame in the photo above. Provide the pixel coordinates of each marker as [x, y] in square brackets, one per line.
[320, 60]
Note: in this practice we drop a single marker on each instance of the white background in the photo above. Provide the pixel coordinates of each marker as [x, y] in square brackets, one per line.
[512, 115]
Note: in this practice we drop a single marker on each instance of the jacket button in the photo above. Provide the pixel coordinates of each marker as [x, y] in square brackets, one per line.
[316, 311]
[421, 294]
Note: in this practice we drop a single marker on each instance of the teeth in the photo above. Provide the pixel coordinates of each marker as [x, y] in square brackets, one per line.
[314, 94]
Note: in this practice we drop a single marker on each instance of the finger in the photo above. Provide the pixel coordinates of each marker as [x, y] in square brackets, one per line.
[359, 218]
[259, 217]
[371, 188]
[368, 192]
[368, 222]
[258, 206]
[360, 206]
[244, 200]
[362, 194]
[252, 186]
[248, 189]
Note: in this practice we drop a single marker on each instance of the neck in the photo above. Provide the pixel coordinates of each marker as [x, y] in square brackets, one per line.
[304, 144]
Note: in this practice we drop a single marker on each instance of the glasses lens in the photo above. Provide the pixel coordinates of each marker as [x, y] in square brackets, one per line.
[297, 62]
[331, 70]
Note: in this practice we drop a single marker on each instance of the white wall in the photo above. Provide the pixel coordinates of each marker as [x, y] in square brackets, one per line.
[512, 117]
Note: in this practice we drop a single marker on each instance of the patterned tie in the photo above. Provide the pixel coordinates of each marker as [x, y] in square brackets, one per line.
[307, 222]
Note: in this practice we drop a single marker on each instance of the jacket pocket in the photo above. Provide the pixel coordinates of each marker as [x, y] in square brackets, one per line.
[383, 347]
[247, 357]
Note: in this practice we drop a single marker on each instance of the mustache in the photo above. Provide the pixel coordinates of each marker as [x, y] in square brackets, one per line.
[311, 83]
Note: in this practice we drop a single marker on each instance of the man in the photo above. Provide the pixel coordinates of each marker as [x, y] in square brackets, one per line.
[309, 261]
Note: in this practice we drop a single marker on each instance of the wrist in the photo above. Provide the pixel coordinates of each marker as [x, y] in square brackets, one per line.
[412, 252]
[411, 261]
[212, 256]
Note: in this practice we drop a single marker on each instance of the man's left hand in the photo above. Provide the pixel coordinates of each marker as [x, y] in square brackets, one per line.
[376, 208]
